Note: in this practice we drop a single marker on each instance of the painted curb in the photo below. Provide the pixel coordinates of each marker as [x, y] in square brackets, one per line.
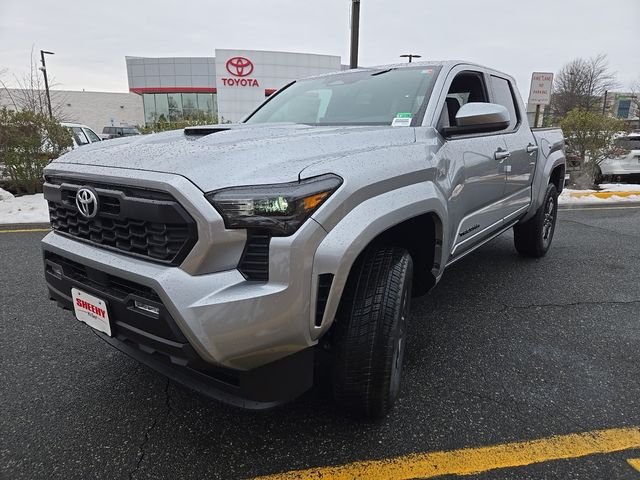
[603, 194]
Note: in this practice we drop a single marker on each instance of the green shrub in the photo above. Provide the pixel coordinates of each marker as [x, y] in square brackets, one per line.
[28, 142]
[161, 124]
[591, 137]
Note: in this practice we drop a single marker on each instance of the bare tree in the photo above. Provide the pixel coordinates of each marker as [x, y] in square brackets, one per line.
[635, 95]
[30, 93]
[581, 83]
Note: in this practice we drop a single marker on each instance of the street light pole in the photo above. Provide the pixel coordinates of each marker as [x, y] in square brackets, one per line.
[355, 32]
[410, 56]
[46, 80]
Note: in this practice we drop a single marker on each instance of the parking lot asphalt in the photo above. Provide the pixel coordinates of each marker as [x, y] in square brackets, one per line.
[504, 349]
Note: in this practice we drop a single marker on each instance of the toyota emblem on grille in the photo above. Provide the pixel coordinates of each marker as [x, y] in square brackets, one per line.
[87, 202]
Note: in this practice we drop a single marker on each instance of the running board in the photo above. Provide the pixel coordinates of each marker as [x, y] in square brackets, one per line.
[488, 239]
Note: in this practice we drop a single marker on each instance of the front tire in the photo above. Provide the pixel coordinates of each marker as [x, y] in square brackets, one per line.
[370, 332]
[533, 237]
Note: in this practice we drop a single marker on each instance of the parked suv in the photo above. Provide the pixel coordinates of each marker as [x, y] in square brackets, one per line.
[116, 132]
[232, 257]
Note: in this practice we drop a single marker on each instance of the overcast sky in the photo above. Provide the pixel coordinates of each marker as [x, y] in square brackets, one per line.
[91, 39]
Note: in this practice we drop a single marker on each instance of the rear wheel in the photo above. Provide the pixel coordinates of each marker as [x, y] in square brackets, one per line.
[533, 237]
[370, 332]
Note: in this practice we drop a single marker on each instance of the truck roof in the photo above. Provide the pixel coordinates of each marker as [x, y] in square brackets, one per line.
[445, 64]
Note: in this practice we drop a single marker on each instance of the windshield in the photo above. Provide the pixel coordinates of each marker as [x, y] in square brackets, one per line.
[370, 97]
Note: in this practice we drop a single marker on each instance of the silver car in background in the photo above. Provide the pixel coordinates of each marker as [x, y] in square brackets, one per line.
[626, 166]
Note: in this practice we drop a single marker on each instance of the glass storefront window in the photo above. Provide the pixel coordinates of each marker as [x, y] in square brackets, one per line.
[207, 104]
[189, 105]
[175, 107]
[162, 108]
[149, 103]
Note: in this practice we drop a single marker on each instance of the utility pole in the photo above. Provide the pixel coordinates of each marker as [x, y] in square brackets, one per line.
[46, 81]
[355, 32]
[604, 103]
[410, 56]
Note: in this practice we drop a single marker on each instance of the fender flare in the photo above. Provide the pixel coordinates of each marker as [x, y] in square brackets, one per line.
[346, 241]
[554, 158]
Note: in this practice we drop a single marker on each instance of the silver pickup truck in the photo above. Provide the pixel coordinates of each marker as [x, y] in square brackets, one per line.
[232, 258]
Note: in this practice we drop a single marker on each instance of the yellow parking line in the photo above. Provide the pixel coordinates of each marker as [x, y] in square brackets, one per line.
[476, 460]
[25, 230]
[635, 463]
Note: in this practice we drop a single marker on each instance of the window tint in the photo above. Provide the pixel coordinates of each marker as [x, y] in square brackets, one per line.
[91, 134]
[466, 87]
[503, 96]
[79, 136]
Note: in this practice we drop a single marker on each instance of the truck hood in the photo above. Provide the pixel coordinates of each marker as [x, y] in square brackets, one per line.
[237, 154]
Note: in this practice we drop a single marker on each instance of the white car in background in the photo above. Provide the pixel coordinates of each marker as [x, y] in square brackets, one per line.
[625, 166]
[82, 135]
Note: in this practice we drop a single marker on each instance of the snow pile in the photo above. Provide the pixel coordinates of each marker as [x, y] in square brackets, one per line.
[25, 209]
[619, 187]
[579, 196]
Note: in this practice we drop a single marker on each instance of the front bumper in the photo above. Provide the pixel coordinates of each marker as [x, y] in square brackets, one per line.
[157, 341]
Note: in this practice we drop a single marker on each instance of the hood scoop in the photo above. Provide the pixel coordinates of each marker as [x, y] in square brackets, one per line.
[201, 131]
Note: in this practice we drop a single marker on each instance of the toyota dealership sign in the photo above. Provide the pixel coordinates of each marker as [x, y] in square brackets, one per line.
[245, 78]
[240, 68]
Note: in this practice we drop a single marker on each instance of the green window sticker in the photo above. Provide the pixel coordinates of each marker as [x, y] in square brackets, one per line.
[403, 115]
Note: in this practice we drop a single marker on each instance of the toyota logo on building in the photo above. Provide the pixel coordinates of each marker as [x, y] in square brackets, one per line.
[239, 66]
[87, 202]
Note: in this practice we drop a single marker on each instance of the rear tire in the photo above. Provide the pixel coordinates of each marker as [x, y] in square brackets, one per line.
[370, 332]
[533, 237]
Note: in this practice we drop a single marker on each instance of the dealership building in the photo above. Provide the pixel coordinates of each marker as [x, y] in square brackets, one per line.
[228, 86]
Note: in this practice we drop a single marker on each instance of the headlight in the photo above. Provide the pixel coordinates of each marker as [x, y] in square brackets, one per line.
[279, 208]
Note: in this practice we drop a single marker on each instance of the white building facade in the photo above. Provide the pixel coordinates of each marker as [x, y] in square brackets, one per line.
[228, 86]
[94, 109]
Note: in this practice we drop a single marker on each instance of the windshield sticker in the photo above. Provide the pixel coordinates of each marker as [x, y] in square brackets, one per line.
[403, 119]
[427, 72]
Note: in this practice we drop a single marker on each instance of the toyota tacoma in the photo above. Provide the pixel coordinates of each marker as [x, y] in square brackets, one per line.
[232, 257]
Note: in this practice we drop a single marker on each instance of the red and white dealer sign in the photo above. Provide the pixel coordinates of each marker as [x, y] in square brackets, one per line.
[240, 68]
[91, 310]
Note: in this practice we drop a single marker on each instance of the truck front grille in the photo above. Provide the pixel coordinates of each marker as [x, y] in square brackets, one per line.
[138, 222]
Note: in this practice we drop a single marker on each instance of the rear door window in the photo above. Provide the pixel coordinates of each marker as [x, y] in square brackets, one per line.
[503, 95]
[79, 136]
[92, 135]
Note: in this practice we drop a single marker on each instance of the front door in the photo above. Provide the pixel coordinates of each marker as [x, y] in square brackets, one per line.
[476, 175]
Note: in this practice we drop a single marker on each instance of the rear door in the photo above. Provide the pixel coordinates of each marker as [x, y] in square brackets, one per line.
[521, 145]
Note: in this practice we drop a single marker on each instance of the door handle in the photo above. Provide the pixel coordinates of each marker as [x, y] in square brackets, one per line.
[532, 148]
[501, 154]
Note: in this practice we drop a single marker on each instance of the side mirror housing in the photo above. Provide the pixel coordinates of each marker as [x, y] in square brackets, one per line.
[477, 117]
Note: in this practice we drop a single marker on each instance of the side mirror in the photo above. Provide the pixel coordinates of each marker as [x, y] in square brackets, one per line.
[476, 117]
